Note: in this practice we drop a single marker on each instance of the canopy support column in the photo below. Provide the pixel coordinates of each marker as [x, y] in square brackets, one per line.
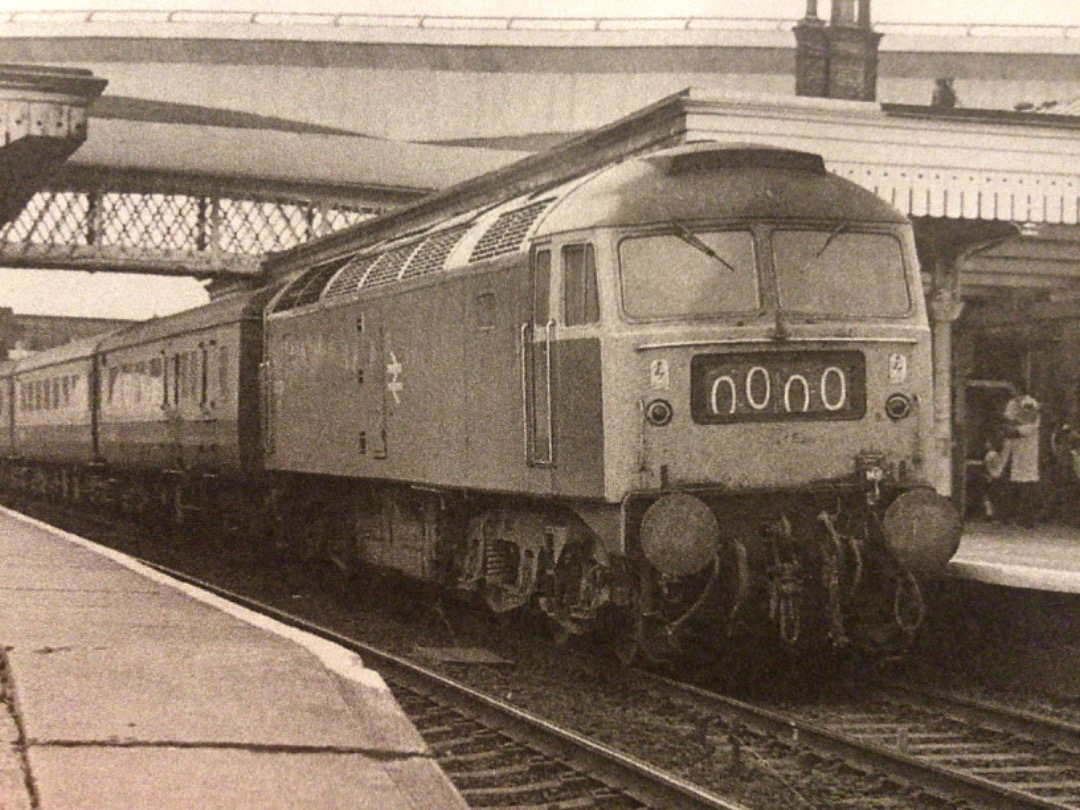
[945, 306]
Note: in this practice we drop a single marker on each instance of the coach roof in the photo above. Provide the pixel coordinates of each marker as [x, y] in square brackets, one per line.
[711, 181]
[78, 349]
[226, 310]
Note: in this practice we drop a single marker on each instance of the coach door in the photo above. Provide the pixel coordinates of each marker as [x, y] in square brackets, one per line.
[537, 334]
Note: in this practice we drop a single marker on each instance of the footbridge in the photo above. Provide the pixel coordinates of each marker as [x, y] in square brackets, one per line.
[223, 136]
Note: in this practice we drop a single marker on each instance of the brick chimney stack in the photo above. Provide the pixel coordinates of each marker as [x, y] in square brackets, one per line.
[838, 60]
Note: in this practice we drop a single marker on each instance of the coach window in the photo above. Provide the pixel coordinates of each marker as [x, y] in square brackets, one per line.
[581, 303]
[204, 357]
[176, 364]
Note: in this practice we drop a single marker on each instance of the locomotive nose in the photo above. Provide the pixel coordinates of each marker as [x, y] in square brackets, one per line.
[922, 529]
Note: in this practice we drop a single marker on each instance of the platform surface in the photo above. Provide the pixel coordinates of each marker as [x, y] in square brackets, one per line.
[1045, 558]
[121, 688]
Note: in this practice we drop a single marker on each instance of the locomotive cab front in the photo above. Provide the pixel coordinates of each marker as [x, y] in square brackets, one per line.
[766, 377]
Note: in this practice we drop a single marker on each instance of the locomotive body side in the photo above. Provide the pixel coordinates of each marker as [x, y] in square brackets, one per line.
[421, 384]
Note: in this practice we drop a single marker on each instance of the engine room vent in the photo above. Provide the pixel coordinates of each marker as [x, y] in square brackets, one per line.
[307, 288]
[431, 255]
[507, 233]
[348, 280]
[387, 269]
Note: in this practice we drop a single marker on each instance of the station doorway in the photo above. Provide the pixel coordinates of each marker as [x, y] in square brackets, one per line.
[1027, 347]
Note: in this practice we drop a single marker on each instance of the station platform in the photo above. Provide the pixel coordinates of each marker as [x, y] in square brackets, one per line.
[1045, 558]
[121, 688]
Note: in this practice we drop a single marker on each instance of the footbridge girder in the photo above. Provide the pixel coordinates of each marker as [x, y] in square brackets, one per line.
[97, 218]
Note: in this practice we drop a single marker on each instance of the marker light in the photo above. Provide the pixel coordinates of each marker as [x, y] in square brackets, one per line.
[659, 412]
[897, 406]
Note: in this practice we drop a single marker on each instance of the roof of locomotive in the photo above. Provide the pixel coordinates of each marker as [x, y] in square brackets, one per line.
[709, 181]
[228, 309]
[698, 182]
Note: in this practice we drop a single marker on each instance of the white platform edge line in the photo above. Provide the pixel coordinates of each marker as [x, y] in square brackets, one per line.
[337, 659]
[1016, 576]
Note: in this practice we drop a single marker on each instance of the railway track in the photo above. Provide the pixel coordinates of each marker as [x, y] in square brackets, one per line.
[497, 755]
[986, 754]
[929, 743]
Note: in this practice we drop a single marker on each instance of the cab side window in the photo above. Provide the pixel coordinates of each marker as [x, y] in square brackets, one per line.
[581, 300]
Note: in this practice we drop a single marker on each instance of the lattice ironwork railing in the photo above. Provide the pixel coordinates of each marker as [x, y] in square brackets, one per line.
[167, 233]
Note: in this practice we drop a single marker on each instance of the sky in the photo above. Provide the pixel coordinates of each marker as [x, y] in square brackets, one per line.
[116, 295]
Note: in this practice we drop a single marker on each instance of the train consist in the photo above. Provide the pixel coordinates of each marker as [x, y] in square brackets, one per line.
[690, 389]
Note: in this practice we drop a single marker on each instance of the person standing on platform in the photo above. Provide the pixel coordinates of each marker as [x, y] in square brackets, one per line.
[1023, 419]
[994, 463]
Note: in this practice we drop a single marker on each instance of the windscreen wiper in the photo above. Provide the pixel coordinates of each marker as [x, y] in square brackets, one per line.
[835, 232]
[695, 241]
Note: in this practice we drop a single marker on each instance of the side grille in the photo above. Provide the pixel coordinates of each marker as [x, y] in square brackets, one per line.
[508, 232]
[387, 269]
[308, 287]
[348, 280]
[432, 253]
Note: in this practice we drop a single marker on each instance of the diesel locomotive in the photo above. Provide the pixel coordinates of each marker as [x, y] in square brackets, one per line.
[691, 389]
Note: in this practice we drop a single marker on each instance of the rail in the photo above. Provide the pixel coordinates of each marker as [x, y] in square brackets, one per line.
[508, 23]
[957, 761]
